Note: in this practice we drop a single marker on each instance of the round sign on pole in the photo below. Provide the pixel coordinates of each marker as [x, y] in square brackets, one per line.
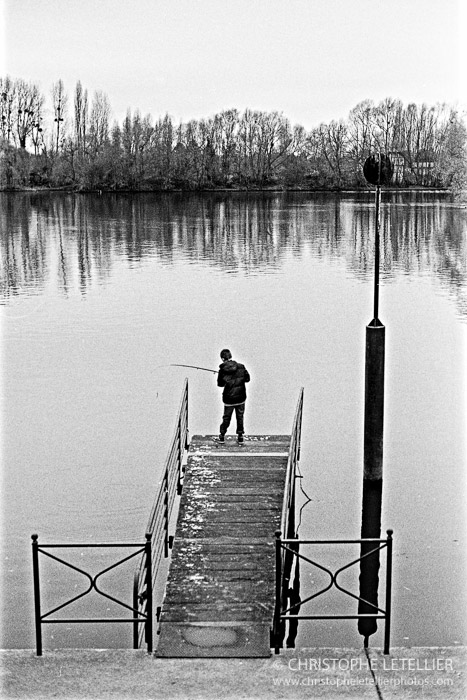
[378, 169]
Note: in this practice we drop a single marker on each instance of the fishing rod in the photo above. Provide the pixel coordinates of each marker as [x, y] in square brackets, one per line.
[205, 369]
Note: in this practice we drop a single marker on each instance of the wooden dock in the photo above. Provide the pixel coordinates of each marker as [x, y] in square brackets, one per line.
[219, 598]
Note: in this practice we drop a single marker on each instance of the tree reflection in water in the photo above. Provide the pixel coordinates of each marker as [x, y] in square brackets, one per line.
[77, 239]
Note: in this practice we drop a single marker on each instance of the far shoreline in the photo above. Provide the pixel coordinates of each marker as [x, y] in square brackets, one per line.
[232, 190]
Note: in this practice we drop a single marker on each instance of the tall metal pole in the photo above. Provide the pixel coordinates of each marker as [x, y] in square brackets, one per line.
[378, 171]
[377, 255]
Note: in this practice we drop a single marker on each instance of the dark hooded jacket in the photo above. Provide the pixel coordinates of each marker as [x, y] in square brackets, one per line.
[232, 376]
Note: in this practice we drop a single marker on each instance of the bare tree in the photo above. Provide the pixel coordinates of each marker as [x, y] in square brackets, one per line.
[37, 131]
[60, 103]
[27, 102]
[7, 93]
[142, 132]
[81, 117]
[136, 137]
[265, 138]
[419, 136]
[162, 149]
[360, 135]
[387, 118]
[225, 135]
[198, 151]
[333, 139]
[99, 122]
[450, 166]
[276, 142]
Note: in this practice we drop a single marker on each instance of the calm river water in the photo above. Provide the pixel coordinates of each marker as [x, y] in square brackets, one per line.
[101, 294]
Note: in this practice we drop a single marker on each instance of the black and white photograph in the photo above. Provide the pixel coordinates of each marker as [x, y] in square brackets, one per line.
[233, 349]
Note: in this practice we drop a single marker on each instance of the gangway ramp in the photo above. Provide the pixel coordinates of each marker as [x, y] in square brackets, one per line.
[219, 598]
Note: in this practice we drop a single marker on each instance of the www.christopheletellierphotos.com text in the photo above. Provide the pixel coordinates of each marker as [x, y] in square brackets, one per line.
[364, 671]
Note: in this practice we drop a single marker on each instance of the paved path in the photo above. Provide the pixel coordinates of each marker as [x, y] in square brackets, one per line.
[333, 674]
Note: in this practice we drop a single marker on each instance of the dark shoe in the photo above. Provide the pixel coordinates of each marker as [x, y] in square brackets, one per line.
[221, 438]
[239, 438]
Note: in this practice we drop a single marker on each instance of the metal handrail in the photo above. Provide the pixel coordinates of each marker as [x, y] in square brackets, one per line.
[292, 461]
[138, 617]
[160, 515]
[291, 546]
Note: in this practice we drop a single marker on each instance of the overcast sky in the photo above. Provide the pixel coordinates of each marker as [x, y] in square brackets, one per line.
[313, 60]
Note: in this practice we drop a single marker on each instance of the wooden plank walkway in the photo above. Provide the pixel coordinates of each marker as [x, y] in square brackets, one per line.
[219, 599]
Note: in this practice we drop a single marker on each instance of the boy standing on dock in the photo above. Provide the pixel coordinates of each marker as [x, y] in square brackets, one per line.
[232, 376]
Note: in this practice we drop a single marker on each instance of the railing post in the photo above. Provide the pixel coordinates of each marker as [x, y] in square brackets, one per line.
[291, 518]
[37, 594]
[179, 460]
[135, 612]
[387, 621]
[166, 513]
[148, 623]
[183, 420]
[299, 428]
[180, 454]
[186, 416]
[277, 607]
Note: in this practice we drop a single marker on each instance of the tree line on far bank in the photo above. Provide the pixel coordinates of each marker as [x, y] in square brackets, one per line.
[73, 143]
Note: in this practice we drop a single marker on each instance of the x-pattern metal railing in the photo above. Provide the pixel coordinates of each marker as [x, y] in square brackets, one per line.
[291, 546]
[138, 616]
[156, 547]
